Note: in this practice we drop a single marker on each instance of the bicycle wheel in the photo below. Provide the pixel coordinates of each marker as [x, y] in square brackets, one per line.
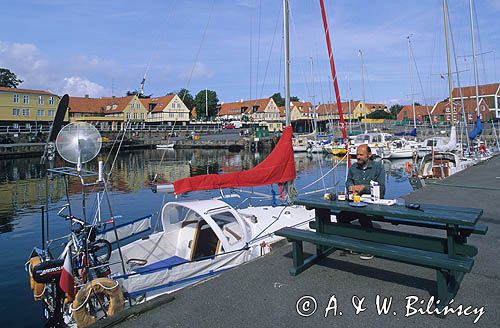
[101, 249]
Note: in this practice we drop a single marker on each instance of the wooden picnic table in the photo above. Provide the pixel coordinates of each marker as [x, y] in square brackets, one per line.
[449, 254]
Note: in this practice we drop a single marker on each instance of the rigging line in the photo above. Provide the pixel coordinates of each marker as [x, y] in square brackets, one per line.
[157, 44]
[479, 41]
[118, 150]
[251, 46]
[271, 50]
[422, 89]
[201, 44]
[258, 50]
[333, 168]
[294, 35]
[277, 218]
[464, 125]
[434, 47]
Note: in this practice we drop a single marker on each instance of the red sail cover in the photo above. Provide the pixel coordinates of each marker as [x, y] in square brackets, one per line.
[278, 167]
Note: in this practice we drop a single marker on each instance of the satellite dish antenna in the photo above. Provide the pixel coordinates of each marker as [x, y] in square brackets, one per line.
[78, 143]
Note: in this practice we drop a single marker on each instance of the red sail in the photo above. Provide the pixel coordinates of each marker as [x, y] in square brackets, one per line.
[278, 167]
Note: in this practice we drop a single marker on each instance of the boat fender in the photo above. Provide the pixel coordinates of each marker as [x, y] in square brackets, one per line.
[37, 288]
[409, 167]
[98, 287]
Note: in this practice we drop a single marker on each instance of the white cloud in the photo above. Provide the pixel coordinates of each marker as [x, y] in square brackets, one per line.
[77, 86]
[25, 60]
[30, 64]
[200, 71]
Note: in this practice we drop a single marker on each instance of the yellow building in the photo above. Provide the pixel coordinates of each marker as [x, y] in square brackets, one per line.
[114, 112]
[363, 109]
[167, 109]
[257, 110]
[108, 112]
[27, 109]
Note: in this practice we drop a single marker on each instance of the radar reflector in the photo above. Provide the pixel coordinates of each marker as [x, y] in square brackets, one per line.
[78, 143]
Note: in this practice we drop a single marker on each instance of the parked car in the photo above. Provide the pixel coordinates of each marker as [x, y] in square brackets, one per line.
[229, 126]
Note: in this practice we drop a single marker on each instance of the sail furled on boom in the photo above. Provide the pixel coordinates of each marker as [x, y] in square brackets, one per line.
[452, 144]
[278, 167]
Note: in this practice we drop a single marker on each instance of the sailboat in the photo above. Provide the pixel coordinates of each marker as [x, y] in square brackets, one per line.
[197, 239]
[443, 160]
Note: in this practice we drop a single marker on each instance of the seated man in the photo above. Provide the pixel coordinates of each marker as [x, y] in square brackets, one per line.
[358, 181]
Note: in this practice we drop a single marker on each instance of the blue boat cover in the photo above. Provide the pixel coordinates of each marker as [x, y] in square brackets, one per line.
[478, 128]
[412, 133]
[161, 265]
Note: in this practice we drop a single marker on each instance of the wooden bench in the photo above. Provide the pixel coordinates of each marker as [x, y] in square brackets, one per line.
[451, 256]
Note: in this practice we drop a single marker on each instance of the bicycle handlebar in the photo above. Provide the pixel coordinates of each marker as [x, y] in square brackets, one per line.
[69, 217]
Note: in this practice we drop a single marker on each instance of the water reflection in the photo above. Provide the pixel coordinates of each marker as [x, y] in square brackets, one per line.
[22, 181]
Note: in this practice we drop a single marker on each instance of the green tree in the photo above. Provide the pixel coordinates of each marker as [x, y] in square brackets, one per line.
[200, 101]
[378, 114]
[280, 101]
[9, 79]
[186, 98]
[395, 109]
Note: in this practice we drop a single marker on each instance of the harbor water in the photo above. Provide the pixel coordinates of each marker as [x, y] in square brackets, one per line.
[24, 189]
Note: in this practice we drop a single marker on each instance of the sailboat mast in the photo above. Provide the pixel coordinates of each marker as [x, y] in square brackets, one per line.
[452, 111]
[411, 83]
[286, 32]
[474, 59]
[363, 85]
[335, 82]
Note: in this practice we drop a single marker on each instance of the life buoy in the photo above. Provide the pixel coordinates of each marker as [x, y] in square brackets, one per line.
[409, 167]
[37, 288]
[98, 287]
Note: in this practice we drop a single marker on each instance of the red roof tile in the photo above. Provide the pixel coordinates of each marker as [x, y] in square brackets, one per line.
[235, 108]
[159, 103]
[98, 105]
[38, 92]
[470, 91]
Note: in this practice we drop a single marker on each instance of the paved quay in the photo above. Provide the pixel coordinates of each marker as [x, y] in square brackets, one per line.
[263, 294]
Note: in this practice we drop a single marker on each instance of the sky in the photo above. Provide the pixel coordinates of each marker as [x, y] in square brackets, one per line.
[104, 48]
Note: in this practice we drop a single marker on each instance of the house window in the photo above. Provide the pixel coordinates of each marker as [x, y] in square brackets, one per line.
[128, 116]
[16, 98]
[28, 126]
[170, 114]
[448, 117]
[15, 111]
[483, 108]
[181, 115]
[142, 116]
[51, 100]
[40, 112]
[26, 99]
[447, 110]
[51, 113]
[40, 100]
[26, 112]
[135, 116]
[15, 126]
